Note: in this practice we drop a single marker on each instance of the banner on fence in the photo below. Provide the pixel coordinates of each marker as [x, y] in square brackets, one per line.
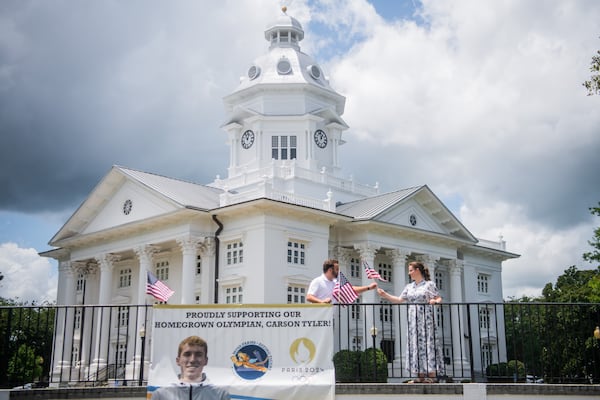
[254, 351]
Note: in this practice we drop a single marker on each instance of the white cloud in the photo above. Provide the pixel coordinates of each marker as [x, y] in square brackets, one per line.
[27, 276]
[484, 101]
[544, 253]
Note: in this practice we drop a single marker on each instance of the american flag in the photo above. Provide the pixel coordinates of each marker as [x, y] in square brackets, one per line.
[371, 273]
[343, 290]
[156, 288]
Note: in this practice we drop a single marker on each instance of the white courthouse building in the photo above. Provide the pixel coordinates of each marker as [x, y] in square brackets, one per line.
[261, 234]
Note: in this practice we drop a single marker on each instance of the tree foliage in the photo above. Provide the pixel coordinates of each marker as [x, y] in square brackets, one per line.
[26, 333]
[594, 255]
[556, 339]
[593, 85]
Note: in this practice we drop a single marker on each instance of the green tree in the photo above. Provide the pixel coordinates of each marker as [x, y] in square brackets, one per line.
[26, 332]
[594, 255]
[593, 85]
[24, 366]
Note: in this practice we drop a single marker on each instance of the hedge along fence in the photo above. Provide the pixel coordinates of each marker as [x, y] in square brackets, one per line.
[512, 371]
[360, 366]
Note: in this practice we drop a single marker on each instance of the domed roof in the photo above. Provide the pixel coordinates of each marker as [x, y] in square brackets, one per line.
[285, 65]
[284, 24]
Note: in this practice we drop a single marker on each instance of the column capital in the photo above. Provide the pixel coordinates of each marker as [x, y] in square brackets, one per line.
[456, 266]
[343, 254]
[107, 260]
[366, 250]
[66, 267]
[207, 247]
[189, 243]
[145, 253]
[427, 259]
[397, 255]
[84, 267]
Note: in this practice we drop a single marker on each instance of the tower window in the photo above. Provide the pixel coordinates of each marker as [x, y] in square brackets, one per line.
[283, 147]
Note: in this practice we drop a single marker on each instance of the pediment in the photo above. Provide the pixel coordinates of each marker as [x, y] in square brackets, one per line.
[126, 196]
[131, 202]
[424, 210]
[416, 208]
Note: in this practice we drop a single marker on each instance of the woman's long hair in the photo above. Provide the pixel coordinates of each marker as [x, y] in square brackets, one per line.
[421, 267]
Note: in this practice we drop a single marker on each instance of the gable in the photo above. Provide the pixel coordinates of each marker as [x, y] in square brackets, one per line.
[130, 203]
[411, 214]
[125, 196]
[415, 207]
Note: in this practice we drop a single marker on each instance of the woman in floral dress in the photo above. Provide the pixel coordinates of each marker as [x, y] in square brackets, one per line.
[424, 352]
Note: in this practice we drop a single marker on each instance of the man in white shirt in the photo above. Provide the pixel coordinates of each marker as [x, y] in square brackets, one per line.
[320, 289]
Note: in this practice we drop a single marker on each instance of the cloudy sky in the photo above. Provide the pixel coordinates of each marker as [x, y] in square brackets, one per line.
[480, 100]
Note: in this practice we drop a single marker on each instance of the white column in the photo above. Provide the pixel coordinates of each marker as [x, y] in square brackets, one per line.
[399, 312]
[459, 352]
[144, 254]
[207, 278]
[89, 271]
[63, 337]
[189, 250]
[346, 330]
[367, 254]
[105, 262]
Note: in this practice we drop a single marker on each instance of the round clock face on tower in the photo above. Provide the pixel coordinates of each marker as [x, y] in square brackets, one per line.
[247, 139]
[127, 206]
[320, 138]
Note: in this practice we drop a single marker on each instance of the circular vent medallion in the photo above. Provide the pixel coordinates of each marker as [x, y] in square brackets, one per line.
[284, 67]
[314, 71]
[253, 72]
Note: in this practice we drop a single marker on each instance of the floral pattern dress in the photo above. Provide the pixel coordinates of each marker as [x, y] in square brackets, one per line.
[424, 350]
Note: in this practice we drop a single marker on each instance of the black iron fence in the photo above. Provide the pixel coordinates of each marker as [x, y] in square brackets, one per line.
[452, 342]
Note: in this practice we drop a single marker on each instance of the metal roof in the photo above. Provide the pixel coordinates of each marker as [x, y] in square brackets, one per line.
[372, 206]
[185, 193]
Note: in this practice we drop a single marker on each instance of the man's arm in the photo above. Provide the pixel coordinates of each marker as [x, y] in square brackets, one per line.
[314, 299]
[361, 289]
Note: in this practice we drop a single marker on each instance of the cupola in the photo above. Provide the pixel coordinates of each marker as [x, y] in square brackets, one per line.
[285, 31]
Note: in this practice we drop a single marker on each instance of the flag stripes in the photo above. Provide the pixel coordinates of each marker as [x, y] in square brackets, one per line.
[156, 288]
[343, 290]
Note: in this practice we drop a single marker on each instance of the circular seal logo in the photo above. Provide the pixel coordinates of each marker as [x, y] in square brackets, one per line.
[251, 360]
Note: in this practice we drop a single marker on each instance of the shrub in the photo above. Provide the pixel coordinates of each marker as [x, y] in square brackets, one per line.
[373, 366]
[347, 366]
[506, 370]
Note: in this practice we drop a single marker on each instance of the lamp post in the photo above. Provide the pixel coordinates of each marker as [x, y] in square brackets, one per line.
[374, 336]
[142, 354]
[597, 336]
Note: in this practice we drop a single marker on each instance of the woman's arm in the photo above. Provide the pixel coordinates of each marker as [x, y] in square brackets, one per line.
[389, 297]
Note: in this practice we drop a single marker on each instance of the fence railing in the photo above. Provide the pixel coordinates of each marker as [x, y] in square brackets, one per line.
[459, 342]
